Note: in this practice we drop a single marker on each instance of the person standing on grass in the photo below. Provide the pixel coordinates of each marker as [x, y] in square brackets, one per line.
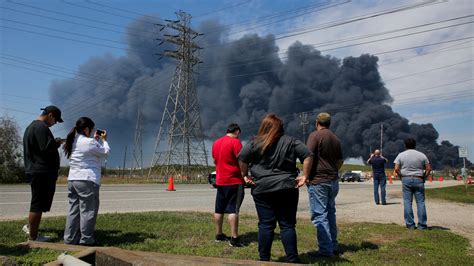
[272, 156]
[84, 153]
[41, 158]
[229, 182]
[413, 167]
[323, 185]
[378, 163]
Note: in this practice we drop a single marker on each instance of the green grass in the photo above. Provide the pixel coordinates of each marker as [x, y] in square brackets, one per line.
[190, 233]
[455, 193]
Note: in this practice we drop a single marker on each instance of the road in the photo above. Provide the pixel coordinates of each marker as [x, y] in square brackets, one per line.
[354, 203]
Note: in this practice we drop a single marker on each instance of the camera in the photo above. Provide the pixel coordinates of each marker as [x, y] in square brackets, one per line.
[99, 132]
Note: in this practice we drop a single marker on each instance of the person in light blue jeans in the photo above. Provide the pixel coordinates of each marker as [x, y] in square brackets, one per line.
[413, 167]
[323, 184]
[322, 202]
[414, 187]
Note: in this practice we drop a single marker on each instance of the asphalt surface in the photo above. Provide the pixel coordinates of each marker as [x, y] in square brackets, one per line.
[354, 203]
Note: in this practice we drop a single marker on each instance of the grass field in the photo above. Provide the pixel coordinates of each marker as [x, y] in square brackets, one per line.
[455, 193]
[193, 234]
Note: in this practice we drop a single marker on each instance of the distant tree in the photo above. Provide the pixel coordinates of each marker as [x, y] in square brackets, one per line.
[11, 169]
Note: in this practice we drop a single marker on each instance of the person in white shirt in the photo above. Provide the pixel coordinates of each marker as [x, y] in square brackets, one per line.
[84, 153]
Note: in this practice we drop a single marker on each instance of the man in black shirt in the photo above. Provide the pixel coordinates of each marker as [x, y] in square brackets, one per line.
[41, 159]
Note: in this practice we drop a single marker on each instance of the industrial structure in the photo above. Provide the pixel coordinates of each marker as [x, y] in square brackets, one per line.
[179, 149]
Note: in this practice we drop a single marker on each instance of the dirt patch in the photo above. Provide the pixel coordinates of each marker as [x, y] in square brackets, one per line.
[380, 239]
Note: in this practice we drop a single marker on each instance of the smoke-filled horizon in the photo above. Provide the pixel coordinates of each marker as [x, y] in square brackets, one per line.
[240, 82]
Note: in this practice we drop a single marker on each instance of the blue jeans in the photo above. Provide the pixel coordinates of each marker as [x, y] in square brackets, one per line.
[414, 186]
[380, 181]
[322, 203]
[279, 206]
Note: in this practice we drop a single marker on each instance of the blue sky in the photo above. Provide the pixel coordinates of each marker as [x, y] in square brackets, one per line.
[429, 84]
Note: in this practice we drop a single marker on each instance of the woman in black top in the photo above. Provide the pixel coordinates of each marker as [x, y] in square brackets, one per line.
[271, 156]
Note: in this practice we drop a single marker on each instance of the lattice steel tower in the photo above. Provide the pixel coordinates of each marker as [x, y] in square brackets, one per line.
[179, 148]
[137, 163]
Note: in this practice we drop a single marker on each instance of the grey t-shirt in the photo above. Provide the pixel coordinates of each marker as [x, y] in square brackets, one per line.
[412, 162]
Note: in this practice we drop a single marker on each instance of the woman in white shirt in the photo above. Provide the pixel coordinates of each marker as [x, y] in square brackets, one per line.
[84, 153]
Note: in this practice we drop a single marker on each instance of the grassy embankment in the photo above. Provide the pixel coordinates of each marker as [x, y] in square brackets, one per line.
[193, 234]
[456, 193]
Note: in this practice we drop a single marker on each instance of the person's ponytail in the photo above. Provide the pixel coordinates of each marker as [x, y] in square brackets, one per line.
[67, 147]
[81, 124]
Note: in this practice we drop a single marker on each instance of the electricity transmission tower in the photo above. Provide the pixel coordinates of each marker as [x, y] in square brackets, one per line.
[137, 145]
[179, 149]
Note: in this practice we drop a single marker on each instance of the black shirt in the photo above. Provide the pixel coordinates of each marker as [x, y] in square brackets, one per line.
[40, 150]
[276, 169]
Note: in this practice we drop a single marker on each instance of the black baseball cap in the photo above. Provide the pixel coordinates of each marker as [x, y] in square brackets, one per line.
[55, 111]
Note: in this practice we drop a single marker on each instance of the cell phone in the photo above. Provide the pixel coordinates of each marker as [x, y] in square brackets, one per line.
[99, 132]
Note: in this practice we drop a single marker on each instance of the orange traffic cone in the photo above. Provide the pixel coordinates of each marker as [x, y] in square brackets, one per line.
[390, 179]
[170, 184]
[440, 179]
[430, 178]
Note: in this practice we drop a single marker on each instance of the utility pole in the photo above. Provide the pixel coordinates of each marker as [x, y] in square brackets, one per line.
[381, 139]
[124, 160]
[179, 148]
[304, 124]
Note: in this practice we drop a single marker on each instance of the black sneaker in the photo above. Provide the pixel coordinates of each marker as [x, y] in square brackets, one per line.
[234, 242]
[221, 237]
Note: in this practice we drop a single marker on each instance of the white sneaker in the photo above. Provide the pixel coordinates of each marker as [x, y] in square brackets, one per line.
[43, 239]
[26, 229]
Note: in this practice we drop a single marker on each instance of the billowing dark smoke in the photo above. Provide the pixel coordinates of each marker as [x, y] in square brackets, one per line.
[242, 81]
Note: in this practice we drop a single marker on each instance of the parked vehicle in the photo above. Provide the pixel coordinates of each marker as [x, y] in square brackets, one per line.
[211, 178]
[351, 177]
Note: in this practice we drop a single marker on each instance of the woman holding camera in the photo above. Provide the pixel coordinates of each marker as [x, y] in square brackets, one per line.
[84, 151]
[272, 156]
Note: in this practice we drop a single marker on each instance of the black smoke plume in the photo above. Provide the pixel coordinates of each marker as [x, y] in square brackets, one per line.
[241, 81]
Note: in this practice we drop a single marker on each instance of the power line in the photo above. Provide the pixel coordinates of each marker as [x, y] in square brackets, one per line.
[318, 45]
[69, 39]
[123, 10]
[107, 12]
[348, 20]
[363, 17]
[291, 17]
[399, 36]
[375, 83]
[68, 21]
[306, 98]
[70, 15]
[63, 31]
[266, 17]
[222, 9]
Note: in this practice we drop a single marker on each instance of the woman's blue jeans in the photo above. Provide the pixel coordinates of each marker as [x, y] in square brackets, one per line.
[279, 206]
